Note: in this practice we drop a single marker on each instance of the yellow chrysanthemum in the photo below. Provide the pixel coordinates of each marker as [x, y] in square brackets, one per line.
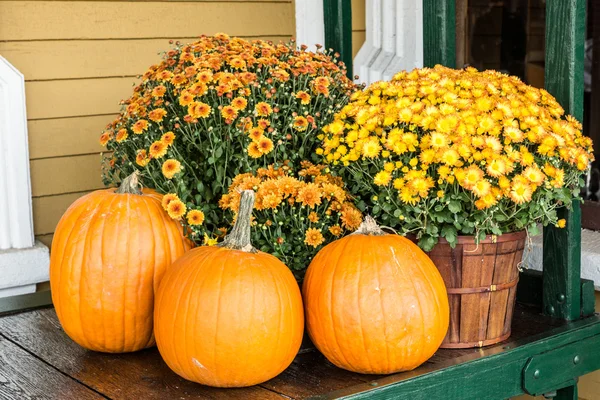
[300, 123]
[167, 198]
[198, 109]
[121, 135]
[157, 115]
[520, 192]
[254, 150]
[265, 145]
[209, 241]
[313, 237]
[371, 148]
[141, 158]
[351, 218]
[158, 149]
[534, 175]
[140, 127]
[335, 230]
[439, 140]
[228, 112]
[309, 195]
[176, 209]
[255, 134]
[239, 103]
[313, 217]
[170, 168]
[195, 217]
[168, 138]
[263, 109]
[382, 178]
[482, 188]
[303, 97]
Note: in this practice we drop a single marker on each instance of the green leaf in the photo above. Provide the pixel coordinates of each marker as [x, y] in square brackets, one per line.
[454, 206]
[449, 233]
[427, 242]
[533, 229]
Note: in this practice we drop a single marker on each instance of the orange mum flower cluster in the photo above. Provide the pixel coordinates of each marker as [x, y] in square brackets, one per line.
[295, 214]
[219, 107]
[442, 151]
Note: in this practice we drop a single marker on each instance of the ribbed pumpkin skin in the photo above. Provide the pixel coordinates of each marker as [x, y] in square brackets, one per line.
[375, 304]
[109, 254]
[227, 318]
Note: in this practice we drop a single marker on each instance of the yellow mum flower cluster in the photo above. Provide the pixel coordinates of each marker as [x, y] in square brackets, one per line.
[484, 137]
[295, 214]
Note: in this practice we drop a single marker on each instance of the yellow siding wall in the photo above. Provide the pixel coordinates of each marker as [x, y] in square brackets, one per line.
[80, 58]
[358, 25]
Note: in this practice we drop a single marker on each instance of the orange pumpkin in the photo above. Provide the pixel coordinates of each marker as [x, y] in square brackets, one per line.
[375, 303]
[109, 253]
[229, 315]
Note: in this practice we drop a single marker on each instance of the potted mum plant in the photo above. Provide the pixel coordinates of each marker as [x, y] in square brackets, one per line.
[218, 108]
[295, 214]
[467, 163]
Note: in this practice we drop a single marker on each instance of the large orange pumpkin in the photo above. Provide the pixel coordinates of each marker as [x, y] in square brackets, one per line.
[229, 315]
[109, 253]
[375, 303]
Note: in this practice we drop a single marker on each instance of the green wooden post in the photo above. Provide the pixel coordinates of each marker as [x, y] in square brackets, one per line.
[439, 33]
[338, 29]
[565, 36]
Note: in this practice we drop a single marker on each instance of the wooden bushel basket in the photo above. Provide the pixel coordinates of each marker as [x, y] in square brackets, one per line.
[482, 283]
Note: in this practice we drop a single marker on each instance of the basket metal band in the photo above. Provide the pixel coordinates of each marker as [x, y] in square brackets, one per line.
[483, 289]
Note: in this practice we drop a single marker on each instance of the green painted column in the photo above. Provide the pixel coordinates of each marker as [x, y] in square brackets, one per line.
[439, 33]
[565, 37]
[338, 29]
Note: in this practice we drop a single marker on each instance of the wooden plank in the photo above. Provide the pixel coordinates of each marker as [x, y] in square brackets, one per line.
[338, 29]
[65, 175]
[439, 33]
[358, 39]
[311, 375]
[565, 37]
[472, 262]
[67, 59]
[31, 20]
[142, 375]
[358, 15]
[48, 210]
[66, 136]
[78, 97]
[23, 377]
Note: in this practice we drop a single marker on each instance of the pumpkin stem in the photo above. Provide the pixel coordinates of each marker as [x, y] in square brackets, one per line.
[131, 184]
[369, 227]
[239, 238]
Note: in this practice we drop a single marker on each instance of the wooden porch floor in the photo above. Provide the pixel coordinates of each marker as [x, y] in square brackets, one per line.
[38, 361]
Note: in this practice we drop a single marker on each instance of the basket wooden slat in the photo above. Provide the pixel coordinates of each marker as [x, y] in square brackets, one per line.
[482, 283]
